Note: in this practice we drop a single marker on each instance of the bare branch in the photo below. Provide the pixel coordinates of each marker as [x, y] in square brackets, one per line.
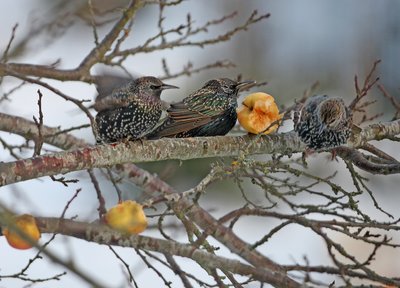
[4, 58]
[164, 149]
[143, 151]
[183, 40]
[27, 129]
[358, 159]
[82, 72]
[103, 235]
[39, 125]
[367, 85]
[102, 203]
[394, 101]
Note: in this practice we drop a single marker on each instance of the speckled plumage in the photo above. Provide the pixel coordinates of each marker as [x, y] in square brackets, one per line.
[130, 111]
[210, 111]
[323, 122]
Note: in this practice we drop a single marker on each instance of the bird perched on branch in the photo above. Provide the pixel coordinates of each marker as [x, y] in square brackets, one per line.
[130, 111]
[210, 111]
[323, 122]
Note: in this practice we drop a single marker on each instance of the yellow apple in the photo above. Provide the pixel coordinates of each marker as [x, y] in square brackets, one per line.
[127, 217]
[25, 223]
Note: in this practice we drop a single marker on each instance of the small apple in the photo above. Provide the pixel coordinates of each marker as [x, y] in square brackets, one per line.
[128, 217]
[25, 223]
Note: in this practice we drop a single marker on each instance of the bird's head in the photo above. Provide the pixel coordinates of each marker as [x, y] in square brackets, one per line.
[332, 113]
[151, 86]
[227, 86]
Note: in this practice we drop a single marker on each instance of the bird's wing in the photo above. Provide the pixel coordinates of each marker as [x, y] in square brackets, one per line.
[181, 119]
[191, 113]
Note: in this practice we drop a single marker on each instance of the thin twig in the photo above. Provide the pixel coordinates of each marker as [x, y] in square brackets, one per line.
[39, 124]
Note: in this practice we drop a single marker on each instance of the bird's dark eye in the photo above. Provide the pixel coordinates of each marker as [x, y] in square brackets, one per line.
[155, 87]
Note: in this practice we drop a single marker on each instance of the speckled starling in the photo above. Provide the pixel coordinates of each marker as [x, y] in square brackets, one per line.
[210, 111]
[131, 111]
[323, 122]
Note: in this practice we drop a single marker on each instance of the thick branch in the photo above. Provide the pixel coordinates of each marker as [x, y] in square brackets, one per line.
[28, 130]
[144, 151]
[165, 149]
[44, 71]
[377, 131]
[358, 159]
[103, 235]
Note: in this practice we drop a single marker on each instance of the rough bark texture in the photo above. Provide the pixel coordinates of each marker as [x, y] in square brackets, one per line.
[165, 149]
[145, 151]
[103, 235]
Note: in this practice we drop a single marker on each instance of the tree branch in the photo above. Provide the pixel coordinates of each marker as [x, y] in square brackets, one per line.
[166, 149]
[377, 131]
[144, 151]
[82, 72]
[103, 235]
[28, 130]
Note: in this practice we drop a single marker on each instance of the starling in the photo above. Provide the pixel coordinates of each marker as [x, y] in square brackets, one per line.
[210, 111]
[323, 122]
[130, 111]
